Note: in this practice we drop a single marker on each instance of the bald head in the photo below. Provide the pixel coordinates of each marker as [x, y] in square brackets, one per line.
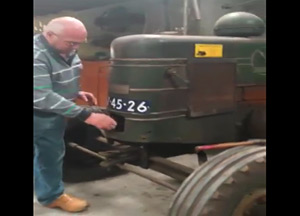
[62, 25]
[65, 29]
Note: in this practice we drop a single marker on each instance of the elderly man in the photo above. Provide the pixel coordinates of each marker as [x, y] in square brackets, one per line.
[56, 86]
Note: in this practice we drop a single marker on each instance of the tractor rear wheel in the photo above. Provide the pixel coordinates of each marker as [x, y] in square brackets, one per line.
[232, 183]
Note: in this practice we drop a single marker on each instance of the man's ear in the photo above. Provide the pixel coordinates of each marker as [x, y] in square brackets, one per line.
[49, 33]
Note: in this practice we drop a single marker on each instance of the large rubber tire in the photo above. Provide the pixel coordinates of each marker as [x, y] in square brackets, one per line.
[218, 186]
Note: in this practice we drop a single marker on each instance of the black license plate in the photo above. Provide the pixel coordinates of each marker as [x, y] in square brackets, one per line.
[129, 105]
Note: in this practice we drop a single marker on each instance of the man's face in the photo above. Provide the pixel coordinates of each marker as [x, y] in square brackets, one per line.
[67, 43]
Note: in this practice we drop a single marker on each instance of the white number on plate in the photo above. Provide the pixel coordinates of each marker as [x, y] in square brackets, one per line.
[130, 108]
[113, 103]
[119, 104]
[142, 108]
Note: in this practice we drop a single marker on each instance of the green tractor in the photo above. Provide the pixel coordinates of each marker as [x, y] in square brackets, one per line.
[176, 94]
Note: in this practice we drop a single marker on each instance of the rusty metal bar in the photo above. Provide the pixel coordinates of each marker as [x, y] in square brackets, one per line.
[102, 139]
[74, 145]
[137, 171]
[230, 144]
[170, 168]
[126, 167]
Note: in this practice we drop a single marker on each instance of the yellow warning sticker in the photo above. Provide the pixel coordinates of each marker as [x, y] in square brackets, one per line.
[208, 50]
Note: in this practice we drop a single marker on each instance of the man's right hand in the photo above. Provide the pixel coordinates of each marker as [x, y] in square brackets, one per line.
[101, 121]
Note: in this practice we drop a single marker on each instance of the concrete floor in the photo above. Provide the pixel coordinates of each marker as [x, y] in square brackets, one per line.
[123, 195]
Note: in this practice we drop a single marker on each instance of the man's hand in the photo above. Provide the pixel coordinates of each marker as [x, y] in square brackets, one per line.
[87, 97]
[101, 121]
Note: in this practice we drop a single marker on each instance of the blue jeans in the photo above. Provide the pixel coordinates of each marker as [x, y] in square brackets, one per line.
[49, 150]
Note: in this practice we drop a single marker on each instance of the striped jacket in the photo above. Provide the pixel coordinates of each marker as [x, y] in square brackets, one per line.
[56, 81]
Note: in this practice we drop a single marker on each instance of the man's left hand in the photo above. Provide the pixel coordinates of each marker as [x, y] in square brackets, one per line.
[87, 97]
